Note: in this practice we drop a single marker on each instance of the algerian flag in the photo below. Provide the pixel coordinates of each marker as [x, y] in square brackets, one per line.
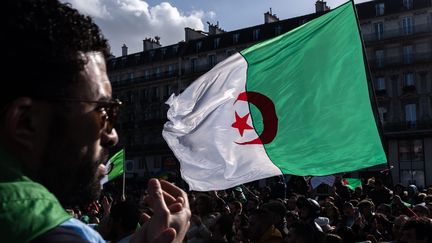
[351, 183]
[295, 104]
[114, 167]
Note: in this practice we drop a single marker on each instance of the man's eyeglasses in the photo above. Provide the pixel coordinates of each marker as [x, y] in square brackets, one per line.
[108, 109]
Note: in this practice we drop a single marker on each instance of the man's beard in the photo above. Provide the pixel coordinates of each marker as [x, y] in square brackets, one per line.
[69, 173]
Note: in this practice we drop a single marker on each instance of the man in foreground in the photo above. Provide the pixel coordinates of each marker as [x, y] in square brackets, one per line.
[57, 124]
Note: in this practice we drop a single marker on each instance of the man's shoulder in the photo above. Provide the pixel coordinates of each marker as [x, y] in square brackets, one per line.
[71, 231]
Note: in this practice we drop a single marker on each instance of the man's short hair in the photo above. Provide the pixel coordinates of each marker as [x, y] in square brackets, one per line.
[42, 40]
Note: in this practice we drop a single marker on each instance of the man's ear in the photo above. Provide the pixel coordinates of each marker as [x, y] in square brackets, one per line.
[19, 123]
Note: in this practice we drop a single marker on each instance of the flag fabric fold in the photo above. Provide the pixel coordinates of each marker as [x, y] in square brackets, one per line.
[295, 104]
[114, 167]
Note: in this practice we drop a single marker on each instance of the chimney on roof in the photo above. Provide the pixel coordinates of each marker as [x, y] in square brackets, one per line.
[124, 50]
[214, 29]
[269, 17]
[150, 43]
[191, 34]
[321, 6]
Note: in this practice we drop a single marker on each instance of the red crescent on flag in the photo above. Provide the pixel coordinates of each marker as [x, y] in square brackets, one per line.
[268, 112]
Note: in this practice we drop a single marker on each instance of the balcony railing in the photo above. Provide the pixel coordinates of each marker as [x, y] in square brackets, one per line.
[138, 80]
[408, 126]
[392, 61]
[196, 69]
[398, 32]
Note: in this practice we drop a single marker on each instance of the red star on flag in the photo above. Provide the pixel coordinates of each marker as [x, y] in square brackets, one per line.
[241, 123]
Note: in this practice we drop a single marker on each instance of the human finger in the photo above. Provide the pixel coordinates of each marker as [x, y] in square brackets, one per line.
[167, 236]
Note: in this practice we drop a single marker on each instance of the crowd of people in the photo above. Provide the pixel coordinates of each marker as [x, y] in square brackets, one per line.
[286, 211]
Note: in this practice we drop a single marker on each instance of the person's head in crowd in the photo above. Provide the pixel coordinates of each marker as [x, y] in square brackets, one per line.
[347, 234]
[421, 197]
[397, 226]
[309, 209]
[428, 199]
[371, 182]
[354, 202]
[291, 217]
[331, 212]
[58, 115]
[124, 217]
[277, 210]
[421, 210]
[300, 232]
[348, 209]
[238, 194]
[222, 230]
[236, 207]
[252, 203]
[417, 230]
[324, 223]
[260, 225]
[366, 208]
[399, 189]
[378, 183]
[332, 238]
[358, 191]
[381, 223]
[412, 191]
[203, 204]
[241, 221]
[221, 206]
[292, 202]
[384, 209]
[429, 190]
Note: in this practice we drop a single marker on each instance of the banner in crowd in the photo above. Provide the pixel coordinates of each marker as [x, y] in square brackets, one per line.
[295, 104]
[114, 167]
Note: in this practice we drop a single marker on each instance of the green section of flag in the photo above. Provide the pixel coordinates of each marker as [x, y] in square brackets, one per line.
[116, 165]
[315, 75]
[351, 183]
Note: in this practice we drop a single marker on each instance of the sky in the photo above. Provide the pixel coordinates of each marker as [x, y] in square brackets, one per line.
[131, 21]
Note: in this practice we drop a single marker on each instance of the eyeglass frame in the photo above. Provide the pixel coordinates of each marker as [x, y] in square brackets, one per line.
[109, 109]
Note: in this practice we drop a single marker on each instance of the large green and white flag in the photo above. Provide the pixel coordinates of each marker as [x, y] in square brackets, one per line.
[114, 167]
[295, 104]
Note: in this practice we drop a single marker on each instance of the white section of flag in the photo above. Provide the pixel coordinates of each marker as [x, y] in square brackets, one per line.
[200, 134]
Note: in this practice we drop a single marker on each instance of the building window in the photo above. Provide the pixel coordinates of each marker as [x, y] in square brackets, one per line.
[211, 60]
[154, 93]
[141, 164]
[379, 54]
[198, 46]
[168, 91]
[379, 9]
[411, 114]
[146, 74]
[379, 30]
[380, 83]
[382, 112]
[411, 151]
[236, 38]
[170, 70]
[256, 33]
[194, 63]
[409, 80]
[216, 43]
[408, 54]
[407, 4]
[407, 25]
[158, 72]
[278, 30]
[175, 49]
[163, 51]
